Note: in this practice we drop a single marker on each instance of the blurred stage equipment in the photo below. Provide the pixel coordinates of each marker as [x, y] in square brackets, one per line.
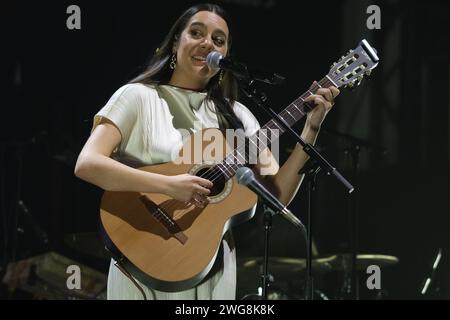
[45, 277]
[344, 261]
[287, 278]
[285, 267]
[346, 267]
[18, 220]
[429, 282]
[354, 150]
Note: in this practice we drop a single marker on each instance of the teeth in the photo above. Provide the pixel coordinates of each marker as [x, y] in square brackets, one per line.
[199, 58]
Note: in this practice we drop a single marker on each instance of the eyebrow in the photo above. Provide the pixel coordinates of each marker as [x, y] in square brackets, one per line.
[201, 24]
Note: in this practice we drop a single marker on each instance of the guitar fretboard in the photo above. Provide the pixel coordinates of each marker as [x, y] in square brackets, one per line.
[270, 132]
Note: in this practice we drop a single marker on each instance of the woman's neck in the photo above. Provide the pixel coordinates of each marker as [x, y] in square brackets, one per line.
[185, 87]
[190, 84]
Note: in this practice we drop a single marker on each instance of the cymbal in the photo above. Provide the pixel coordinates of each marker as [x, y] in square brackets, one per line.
[281, 266]
[343, 261]
[88, 243]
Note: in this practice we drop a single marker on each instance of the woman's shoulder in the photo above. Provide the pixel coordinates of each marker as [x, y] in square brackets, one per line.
[242, 111]
[138, 89]
[251, 124]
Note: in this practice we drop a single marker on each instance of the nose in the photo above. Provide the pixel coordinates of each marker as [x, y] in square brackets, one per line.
[207, 44]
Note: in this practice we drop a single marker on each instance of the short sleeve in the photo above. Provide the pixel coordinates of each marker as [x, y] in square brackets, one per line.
[251, 124]
[122, 109]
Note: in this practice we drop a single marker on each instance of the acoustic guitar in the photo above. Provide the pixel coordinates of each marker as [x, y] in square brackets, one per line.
[170, 245]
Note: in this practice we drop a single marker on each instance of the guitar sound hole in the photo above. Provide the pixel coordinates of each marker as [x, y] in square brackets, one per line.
[216, 177]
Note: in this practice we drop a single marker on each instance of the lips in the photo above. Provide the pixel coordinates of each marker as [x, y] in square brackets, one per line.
[199, 58]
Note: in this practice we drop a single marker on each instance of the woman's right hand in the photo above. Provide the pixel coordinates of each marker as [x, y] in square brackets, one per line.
[189, 189]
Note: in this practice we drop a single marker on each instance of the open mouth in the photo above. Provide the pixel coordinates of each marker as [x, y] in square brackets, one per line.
[199, 59]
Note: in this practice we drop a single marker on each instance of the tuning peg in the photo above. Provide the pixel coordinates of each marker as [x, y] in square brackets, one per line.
[368, 72]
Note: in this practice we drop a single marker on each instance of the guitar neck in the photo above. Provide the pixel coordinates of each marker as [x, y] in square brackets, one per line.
[297, 109]
[270, 132]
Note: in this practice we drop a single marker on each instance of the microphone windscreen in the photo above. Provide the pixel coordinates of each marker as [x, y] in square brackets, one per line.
[244, 175]
[213, 59]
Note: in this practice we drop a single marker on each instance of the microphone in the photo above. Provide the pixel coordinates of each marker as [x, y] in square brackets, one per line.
[215, 60]
[246, 177]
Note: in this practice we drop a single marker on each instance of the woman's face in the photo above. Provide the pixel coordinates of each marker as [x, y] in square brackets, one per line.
[205, 32]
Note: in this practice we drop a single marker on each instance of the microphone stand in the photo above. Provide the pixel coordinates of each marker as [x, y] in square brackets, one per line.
[265, 275]
[355, 153]
[259, 99]
[311, 170]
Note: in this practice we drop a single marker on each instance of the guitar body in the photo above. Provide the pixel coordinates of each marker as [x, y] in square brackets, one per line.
[162, 256]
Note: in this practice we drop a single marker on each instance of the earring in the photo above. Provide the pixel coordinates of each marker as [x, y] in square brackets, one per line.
[220, 76]
[173, 62]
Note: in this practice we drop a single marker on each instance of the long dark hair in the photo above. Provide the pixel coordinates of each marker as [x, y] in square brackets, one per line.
[223, 94]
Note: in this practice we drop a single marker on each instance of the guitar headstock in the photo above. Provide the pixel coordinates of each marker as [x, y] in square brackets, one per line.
[351, 69]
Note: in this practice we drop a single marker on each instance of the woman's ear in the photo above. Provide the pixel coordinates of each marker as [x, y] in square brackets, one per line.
[175, 44]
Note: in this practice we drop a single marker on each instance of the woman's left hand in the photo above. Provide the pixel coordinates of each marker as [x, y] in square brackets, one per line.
[323, 100]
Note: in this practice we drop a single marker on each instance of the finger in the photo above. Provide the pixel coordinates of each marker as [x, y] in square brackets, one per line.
[197, 203]
[199, 196]
[326, 93]
[200, 201]
[335, 91]
[201, 190]
[316, 99]
[204, 182]
[314, 83]
[310, 103]
[319, 100]
[202, 197]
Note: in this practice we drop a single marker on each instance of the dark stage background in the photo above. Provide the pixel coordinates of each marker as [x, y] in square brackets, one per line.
[54, 80]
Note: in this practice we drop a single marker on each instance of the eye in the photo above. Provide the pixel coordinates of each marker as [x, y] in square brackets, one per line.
[219, 41]
[196, 33]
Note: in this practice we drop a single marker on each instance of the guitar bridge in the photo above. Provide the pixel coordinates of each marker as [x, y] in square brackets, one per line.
[164, 219]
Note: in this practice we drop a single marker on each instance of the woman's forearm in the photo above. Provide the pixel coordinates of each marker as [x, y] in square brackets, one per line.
[112, 175]
[287, 180]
